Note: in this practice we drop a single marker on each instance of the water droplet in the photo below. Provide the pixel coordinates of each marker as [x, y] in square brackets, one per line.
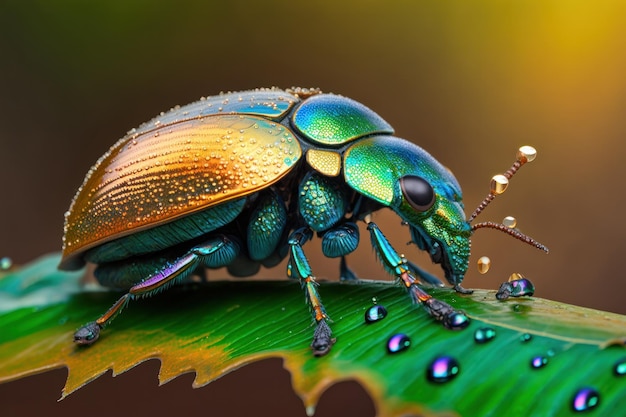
[515, 276]
[375, 313]
[456, 321]
[620, 367]
[526, 154]
[484, 334]
[442, 369]
[5, 263]
[510, 222]
[526, 337]
[585, 399]
[483, 264]
[499, 183]
[515, 288]
[538, 362]
[398, 343]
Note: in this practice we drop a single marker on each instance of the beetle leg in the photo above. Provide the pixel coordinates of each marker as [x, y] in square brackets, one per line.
[345, 273]
[298, 267]
[215, 252]
[425, 276]
[399, 266]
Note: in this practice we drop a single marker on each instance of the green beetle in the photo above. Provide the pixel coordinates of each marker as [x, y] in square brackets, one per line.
[244, 179]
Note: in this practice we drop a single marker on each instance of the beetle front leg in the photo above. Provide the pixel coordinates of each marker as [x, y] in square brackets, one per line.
[298, 267]
[399, 266]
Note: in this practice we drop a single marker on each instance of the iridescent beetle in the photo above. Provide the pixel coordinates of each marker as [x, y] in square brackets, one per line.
[244, 179]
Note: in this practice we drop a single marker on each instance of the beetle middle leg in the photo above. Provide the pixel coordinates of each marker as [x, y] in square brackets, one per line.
[399, 266]
[215, 252]
[298, 267]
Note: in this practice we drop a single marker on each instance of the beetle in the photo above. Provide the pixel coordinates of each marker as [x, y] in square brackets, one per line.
[242, 180]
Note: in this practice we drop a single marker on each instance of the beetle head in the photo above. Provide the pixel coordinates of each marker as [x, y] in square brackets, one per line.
[404, 177]
[437, 222]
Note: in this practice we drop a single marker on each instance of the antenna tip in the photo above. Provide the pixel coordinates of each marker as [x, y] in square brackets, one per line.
[526, 154]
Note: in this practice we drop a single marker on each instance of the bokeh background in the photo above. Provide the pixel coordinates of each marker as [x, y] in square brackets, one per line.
[468, 81]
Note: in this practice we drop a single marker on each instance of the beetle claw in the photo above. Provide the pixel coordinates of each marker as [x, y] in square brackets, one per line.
[87, 334]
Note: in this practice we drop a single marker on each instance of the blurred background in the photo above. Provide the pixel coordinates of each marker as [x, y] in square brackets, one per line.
[468, 81]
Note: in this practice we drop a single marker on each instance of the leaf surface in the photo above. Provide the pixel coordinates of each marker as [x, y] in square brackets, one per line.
[215, 328]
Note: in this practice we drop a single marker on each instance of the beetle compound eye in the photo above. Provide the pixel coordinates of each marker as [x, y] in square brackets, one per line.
[418, 192]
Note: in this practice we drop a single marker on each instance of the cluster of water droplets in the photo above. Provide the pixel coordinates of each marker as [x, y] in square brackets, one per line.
[441, 369]
[444, 368]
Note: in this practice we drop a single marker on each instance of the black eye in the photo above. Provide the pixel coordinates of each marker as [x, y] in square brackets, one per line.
[418, 192]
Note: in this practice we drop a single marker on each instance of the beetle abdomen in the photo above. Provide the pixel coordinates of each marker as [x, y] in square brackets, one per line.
[167, 235]
[172, 171]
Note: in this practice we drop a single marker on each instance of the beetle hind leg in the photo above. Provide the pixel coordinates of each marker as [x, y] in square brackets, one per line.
[215, 252]
[298, 267]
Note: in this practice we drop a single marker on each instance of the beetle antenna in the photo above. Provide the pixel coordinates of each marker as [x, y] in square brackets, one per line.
[513, 232]
[500, 182]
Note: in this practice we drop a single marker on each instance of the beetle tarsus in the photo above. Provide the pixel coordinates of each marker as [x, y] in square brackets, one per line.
[322, 340]
[438, 309]
[87, 334]
[446, 314]
[458, 288]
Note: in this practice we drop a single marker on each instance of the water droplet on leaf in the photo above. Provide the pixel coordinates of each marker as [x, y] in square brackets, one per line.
[515, 288]
[526, 337]
[398, 343]
[620, 367]
[5, 263]
[585, 399]
[375, 313]
[442, 369]
[456, 321]
[484, 334]
[538, 362]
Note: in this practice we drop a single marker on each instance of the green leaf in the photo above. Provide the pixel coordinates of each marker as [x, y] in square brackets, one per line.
[215, 328]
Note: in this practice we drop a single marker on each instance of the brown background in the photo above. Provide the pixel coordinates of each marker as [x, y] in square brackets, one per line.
[468, 81]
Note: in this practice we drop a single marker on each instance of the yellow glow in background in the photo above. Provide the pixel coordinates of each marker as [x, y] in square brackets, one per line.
[468, 81]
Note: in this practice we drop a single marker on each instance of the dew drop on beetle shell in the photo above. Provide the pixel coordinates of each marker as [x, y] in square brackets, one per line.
[442, 369]
[484, 263]
[484, 334]
[375, 313]
[515, 276]
[510, 222]
[585, 399]
[620, 367]
[398, 342]
[538, 362]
